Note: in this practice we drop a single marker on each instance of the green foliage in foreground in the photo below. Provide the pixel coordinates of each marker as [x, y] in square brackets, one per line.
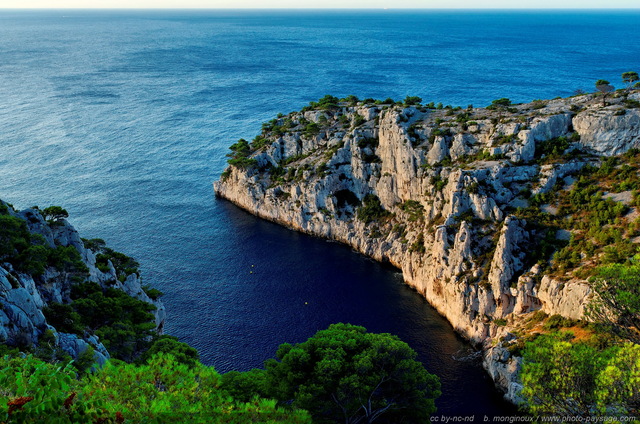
[182, 352]
[565, 378]
[588, 377]
[344, 374]
[162, 391]
[618, 299]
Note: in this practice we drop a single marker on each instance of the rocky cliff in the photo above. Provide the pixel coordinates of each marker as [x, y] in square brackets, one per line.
[41, 271]
[464, 201]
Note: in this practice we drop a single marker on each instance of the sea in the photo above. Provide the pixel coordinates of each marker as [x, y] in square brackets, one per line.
[124, 119]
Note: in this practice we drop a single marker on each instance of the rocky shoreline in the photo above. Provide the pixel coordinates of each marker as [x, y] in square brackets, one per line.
[24, 295]
[442, 188]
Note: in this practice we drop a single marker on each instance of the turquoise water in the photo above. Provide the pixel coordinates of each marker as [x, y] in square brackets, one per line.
[124, 118]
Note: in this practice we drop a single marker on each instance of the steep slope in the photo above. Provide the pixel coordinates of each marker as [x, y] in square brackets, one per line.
[453, 197]
[40, 263]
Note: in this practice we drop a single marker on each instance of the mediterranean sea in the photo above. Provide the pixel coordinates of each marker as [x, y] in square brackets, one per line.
[124, 119]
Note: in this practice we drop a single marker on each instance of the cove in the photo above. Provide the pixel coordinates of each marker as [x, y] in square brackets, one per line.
[284, 286]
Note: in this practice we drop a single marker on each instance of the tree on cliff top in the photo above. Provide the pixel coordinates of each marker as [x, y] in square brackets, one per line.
[239, 156]
[630, 78]
[412, 100]
[499, 103]
[55, 213]
[604, 87]
[345, 374]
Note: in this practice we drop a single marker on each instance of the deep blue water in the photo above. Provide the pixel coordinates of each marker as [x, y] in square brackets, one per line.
[124, 119]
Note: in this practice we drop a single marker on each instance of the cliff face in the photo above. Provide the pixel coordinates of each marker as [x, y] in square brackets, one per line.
[450, 184]
[23, 295]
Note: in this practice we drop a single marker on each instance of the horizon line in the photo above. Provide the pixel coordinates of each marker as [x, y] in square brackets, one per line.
[330, 8]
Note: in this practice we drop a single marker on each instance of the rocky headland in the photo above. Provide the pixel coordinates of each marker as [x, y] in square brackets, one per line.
[42, 261]
[480, 208]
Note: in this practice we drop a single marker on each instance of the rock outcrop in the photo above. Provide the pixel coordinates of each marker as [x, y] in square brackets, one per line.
[436, 193]
[24, 295]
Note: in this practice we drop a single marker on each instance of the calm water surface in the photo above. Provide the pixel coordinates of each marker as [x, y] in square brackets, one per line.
[124, 118]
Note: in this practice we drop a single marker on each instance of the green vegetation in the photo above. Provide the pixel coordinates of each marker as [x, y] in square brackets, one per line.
[167, 383]
[415, 138]
[598, 372]
[600, 231]
[259, 142]
[553, 150]
[631, 104]
[579, 369]
[438, 183]
[538, 104]
[617, 305]
[351, 100]
[371, 210]
[596, 227]
[501, 103]
[161, 391]
[504, 139]
[182, 352]
[412, 100]
[124, 324]
[555, 322]
[418, 245]
[311, 130]
[346, 198]
[604, 87]
[31, 254]
[326, 103]
[630, 79]
[414, 209]
[54, 213]
[439, 132]
[479, 156]
[371, 158]
[64, 318]
[358, 120]
[152, 292]
[344, 374]
[575, 378]
[348, 372]
[340, 374]
[239, 156]
[369, 142]
[123, 264]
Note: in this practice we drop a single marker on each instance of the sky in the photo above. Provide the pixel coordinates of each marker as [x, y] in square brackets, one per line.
[340, 4]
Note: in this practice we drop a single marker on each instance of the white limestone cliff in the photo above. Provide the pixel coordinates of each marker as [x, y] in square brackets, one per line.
[462, 247]
[23, 296]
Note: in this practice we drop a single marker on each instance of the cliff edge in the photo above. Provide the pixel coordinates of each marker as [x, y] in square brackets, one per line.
[476, 206]
[42, 261]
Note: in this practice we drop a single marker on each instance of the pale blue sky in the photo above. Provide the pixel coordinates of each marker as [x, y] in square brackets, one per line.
[371, 4]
